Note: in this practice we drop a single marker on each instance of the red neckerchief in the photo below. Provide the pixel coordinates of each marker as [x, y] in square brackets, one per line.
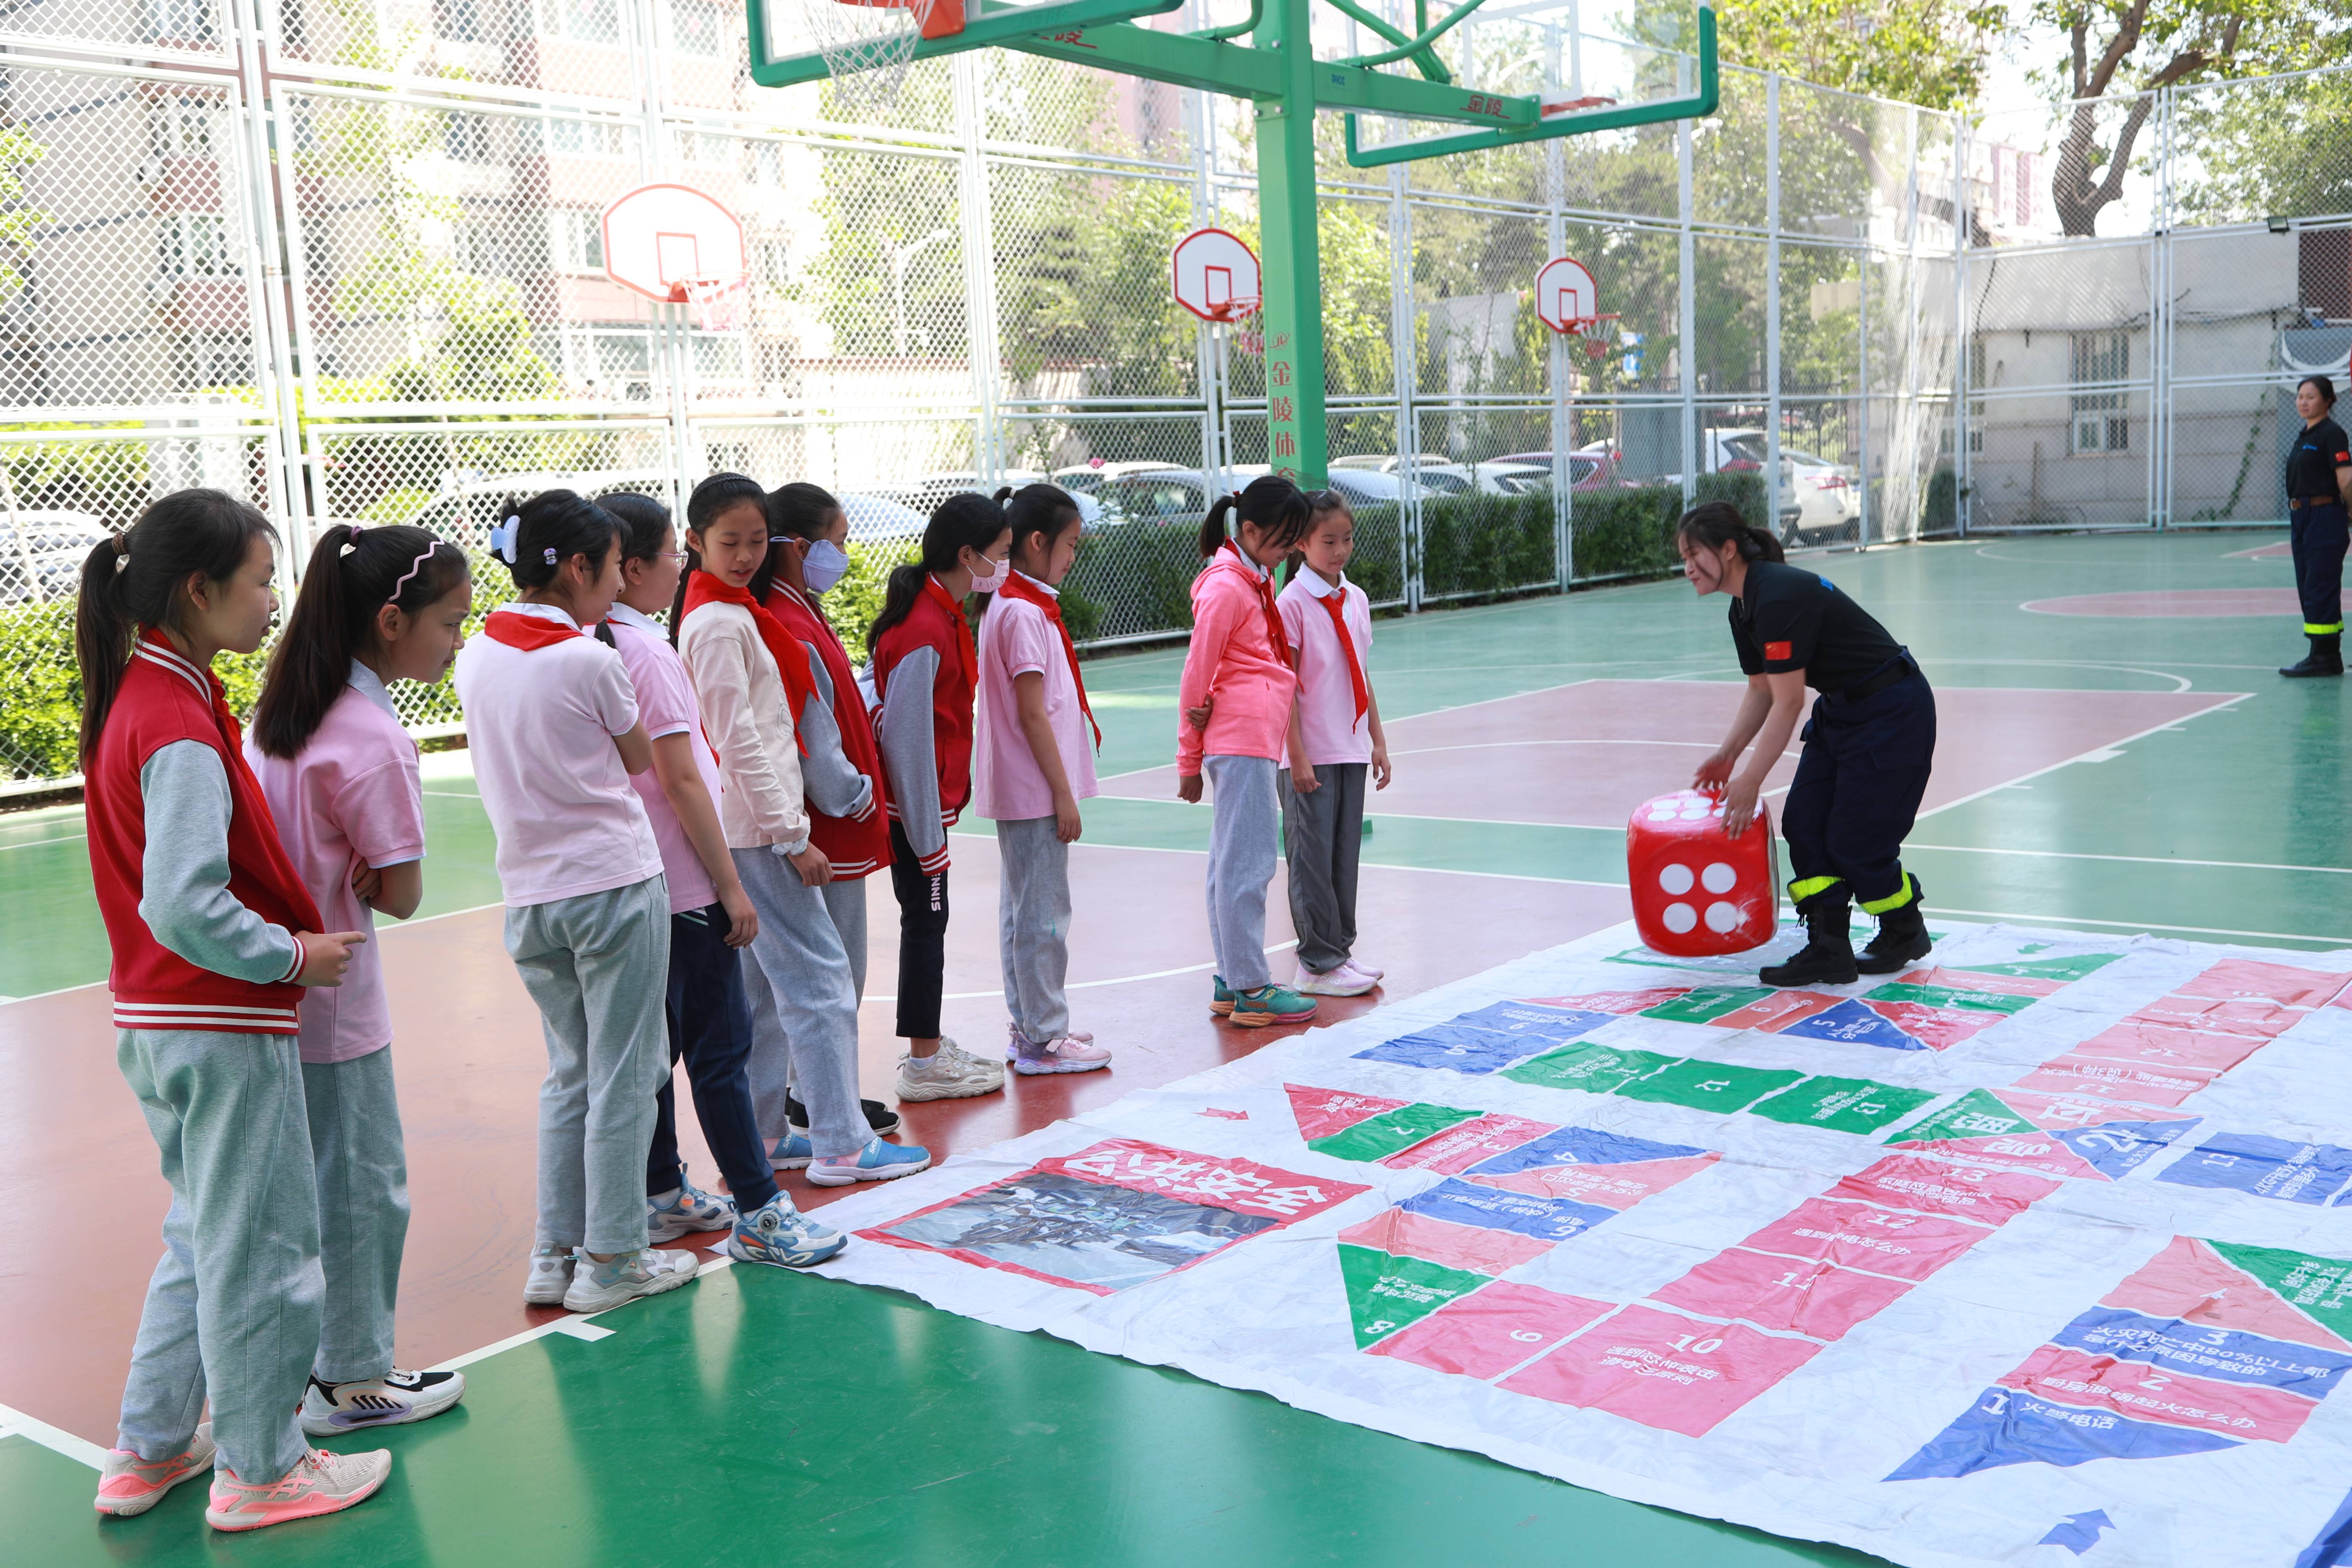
[526, 632]
[968, 655]
[1276, 635]
[1016, 587]
[789, 658]
[1337, 605]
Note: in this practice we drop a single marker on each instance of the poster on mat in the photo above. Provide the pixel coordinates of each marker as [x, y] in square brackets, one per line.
[2039, 1252]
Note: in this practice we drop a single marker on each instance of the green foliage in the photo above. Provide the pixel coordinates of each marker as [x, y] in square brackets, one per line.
[857, 599]
[40, 722]
[17, 224]
[2265, 148]
[1147, 570]
[1927, 52]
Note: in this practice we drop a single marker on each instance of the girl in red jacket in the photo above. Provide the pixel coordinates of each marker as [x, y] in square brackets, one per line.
[213, 937]
[1240, 698]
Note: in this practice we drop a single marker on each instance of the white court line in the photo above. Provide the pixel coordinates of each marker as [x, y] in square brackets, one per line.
[2132, 859]
[1091, 985]
[2136, 925]
[571, 1327]
[38, 843]
[2233, 698]
[54, 1439]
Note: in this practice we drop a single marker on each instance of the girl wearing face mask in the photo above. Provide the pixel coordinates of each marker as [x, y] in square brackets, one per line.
[924, 667]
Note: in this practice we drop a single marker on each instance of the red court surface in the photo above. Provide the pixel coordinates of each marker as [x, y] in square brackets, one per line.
[1620, 742]
[470, 1061]
[2183, 603]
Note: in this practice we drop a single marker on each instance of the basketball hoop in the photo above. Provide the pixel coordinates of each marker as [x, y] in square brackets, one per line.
[1215, 275]
[720, 304]
[1586, 330]
[867, 45]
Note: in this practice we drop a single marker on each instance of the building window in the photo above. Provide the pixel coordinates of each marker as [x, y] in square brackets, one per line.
[703, 147]
[768, 165]
[1980, 371]
[774, 262]
[2099, 421]
[465, 139]
[586, 21]
[460, 21]
[194, 245]
[698, 28]
[180, 21]
[476, 246]
[575, 239]
[182, 127]
[587, 138]
[213, 360]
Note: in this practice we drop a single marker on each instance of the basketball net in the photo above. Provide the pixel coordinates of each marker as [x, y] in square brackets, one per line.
[868, 46]
[720, 304]
[1587, 330]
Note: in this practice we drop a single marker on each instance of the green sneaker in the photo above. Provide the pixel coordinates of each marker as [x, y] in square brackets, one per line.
[1221, 1001]
[1270, 1005]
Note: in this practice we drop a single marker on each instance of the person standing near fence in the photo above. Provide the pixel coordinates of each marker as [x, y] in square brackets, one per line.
[2318, 481]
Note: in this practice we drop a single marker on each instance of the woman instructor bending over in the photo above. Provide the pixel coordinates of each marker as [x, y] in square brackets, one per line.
[1868, 746]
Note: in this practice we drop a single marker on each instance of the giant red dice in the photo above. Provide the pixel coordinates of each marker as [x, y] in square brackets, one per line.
[1697, 892]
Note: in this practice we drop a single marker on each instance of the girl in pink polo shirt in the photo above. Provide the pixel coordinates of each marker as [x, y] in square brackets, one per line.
[377, 606]
[1033, 759]
[1239, 697]
[1328, 622]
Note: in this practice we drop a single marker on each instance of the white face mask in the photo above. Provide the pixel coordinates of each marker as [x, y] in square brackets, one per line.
[990, 585]
[824, 564]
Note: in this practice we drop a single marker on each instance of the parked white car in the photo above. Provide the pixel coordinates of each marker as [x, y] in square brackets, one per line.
[41, 553]
[1827, 496]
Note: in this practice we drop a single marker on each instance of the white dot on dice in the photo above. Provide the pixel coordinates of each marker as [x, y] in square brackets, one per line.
[1679, 918]
[1722, 917]
[1718, 877]
[1675, 879]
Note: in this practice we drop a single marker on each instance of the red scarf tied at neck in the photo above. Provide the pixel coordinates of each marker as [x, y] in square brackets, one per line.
[1016, 587]
[789, 656]
[528, 633]
[1276, 635]
[967, 655]
[1337, 603]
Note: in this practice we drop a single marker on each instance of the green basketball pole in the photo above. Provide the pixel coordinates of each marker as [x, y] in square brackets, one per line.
[1278, 73]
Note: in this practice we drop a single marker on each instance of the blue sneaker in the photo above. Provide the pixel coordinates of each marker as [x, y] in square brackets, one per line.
[1220, 998]
[789, 1153]
[689, 1209]
[782, 1235]
[878, 1162]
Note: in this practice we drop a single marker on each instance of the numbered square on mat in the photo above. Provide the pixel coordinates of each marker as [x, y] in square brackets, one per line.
[1489, 1331]
[1862, 1235]
[1710, 1086]
[1663, 1370]
[1799, 1295]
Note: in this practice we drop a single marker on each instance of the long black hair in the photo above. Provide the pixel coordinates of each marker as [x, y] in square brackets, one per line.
[1269, 500]
[965, 521]
[1712, 524]
[711, 500]
[548, 530]
[643, 521]
[135, 579]
[2326, 388]
[353, 573]
[1041, 510]
[796, 511]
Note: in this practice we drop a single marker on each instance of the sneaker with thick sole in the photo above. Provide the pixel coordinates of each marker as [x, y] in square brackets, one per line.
[953, 1074]
[878, 1162]
[791, 1153]
[1369, 970]
[320, 1482]
[1012, 1041]
[549, 1275]
[780, 1235]
[624, 1276]
[878, 1116]
[1271, 1005]
[332, 1409]
[1066, 1054]
[1220, 997]
[1341, 982]
[128, 1484]
[689, 1208]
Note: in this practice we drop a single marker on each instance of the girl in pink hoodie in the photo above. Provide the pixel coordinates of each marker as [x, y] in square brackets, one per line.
[1239, 698]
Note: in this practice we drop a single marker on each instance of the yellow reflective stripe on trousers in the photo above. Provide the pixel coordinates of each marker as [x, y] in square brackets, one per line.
[1799, 891]
[1895, 900]
[2311, 631]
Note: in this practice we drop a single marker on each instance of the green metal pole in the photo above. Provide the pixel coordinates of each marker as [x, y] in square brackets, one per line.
[1297, 440]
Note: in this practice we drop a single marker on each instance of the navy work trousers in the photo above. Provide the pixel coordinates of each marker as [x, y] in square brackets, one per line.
[2317, 539]
[710, 1027]
[1859, 783]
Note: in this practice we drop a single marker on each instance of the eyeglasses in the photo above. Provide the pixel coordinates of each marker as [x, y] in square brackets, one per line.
[670, 554]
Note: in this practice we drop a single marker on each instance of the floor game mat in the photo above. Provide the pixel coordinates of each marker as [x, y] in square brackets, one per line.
[2038, 1252]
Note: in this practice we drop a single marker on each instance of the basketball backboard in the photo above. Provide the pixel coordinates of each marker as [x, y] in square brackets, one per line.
[1566, 295]
[1216, 275]
[660, 238]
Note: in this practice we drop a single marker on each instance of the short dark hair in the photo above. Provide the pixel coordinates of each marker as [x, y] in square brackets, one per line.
[1270, 501]
[2326, 388]
[353, 573]
[1713, 524]
[549, 528]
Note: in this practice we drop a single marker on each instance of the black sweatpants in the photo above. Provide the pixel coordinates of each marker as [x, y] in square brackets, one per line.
[2318, 538]
[709, 1020]
[1859, 783]
[922, 939]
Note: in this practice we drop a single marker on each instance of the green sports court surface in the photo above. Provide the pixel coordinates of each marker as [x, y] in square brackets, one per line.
[2110, 763]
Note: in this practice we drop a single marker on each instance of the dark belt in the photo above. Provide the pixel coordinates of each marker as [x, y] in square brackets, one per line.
[2298, 503]
[1898, 668]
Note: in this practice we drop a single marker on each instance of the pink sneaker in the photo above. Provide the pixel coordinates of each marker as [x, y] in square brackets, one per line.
[1012, 1041]
[128, 1484]
[1068, 1054]
[1369, 970]
[320, 1482]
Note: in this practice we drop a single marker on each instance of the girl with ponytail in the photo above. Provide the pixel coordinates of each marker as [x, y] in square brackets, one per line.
[377, 604]
[1239, 698]
[213, 936]
[1868, 748]
[925, 671]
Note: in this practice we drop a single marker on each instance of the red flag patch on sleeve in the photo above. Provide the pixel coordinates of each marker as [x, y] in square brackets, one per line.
[1779, 651]
[2341, 459]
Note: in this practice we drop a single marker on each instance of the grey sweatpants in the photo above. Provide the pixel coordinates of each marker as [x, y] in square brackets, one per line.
[1323, 836]
[362, 1170]
[1243, 828]
[1032, 926]
[233, 1308]
[598, 967]
[804, 1029]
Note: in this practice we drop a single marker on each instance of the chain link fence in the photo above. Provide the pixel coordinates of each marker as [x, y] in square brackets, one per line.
[347, 261]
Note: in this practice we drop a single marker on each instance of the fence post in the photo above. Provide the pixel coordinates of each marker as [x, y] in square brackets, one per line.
[1772, 302]
[1686, 293]
[1963, 221]
[1404, 373]
[251, 98]
[2160, 322]
[979, 267]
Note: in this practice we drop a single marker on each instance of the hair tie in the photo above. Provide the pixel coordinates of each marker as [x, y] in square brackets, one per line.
[122, 550]
[502, 539]
[121, 559]
[550, 553]
[414, 568]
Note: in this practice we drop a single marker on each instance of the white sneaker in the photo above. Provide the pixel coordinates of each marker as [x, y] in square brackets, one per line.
[626, 1277]
[128, 1484]
[320, 1482]
[1341, 982]
[688, 1208]
[953, 1074]
[549, 1275]
[334, 1409]
[1369, 970]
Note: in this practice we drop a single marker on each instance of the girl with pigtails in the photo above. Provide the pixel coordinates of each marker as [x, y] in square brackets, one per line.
[377, 606]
